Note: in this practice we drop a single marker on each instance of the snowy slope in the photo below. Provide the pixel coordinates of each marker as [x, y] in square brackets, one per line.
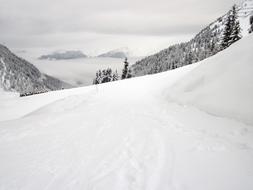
[131, 135]
[220, 88]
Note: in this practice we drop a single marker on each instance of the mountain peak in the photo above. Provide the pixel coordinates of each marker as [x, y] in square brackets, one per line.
[122, 52]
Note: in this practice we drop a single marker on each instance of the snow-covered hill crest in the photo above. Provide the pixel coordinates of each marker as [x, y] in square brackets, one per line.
[16, 74]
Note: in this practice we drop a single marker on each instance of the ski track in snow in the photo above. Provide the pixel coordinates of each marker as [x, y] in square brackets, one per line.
[136, 149]
[141, 153]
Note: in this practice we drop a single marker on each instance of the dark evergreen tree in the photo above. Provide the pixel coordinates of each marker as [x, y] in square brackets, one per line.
[251, 24]
[236, 30]
[107, 75]
[126, 72]
[129, 74]
[232, 32]
[115, 76]
[226, 40]
[189, 58]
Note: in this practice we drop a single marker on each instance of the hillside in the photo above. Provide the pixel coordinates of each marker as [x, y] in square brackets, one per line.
[203, 45]
[16, 74]
[190, 128]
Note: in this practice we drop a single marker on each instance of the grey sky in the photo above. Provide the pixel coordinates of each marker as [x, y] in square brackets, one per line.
[99, 25]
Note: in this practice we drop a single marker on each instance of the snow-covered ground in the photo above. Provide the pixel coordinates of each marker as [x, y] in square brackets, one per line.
[185, 129]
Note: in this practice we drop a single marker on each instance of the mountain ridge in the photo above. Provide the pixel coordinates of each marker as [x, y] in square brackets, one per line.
[64, 55]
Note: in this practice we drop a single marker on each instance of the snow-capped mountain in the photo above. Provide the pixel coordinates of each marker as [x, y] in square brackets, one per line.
[203, 45]
[64, 55]
[16, 74]
[117, 53]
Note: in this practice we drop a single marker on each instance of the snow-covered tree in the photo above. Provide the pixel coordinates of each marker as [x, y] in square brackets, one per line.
[232, 31]
[105, 76]
[115, 76]
[236, 31]
[226, 40]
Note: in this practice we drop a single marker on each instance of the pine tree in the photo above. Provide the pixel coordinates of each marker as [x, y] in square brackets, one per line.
[129, 74]
[105, 76]
[251, 24]
[189, 58]
[115, 76]
[236, 30]
[126, 73]
[232, 32]
[227, 32]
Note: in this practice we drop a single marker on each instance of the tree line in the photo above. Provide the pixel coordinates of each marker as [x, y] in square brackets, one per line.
[107, 75]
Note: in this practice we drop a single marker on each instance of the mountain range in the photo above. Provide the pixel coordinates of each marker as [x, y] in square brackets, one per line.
[64, 55]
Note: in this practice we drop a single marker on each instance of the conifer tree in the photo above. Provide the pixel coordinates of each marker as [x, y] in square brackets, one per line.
[251, 24]
[227, 32]
[126, 73]
[115, 76]
[236, 31]
[232, 31]
[129, 74]
[105, 76]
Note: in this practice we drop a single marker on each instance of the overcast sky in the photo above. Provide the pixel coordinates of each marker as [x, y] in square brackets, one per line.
[95, 26]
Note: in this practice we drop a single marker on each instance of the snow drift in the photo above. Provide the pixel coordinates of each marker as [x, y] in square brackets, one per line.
[221, 85]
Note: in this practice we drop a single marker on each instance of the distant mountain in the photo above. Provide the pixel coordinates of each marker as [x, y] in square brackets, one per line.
[205, 44]
[64, 55]
[16, 74]
[117, 53]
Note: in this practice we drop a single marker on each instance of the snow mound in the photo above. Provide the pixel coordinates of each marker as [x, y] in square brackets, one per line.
[221, 85]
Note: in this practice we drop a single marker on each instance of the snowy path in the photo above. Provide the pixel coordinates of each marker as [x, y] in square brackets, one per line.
[96, 140]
